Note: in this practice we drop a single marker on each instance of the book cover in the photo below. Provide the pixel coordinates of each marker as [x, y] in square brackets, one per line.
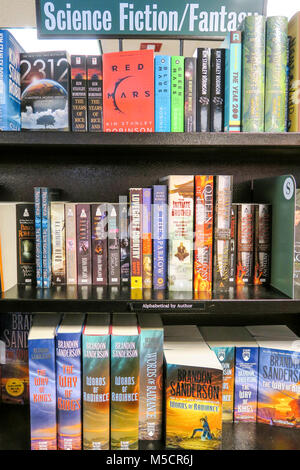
[233, 245]
[128, 91]
[83, 235]
[151, 377]
[79, 93]
[294, 66]
[58, 241]
[124, 240]
[125, 382]
[147, 238]
[233, 82]
[96, 382]
[95, 93]
[203, 240]
[68, 382]
[45, 91]
[262, 244]
[180, 231]
[25, 214]
[47, 196]
[135, 235]
[113, 245]
[203, 90]
[38, 237]
[71, 252]
[190, 98]
[10, 91]
[99, 244]
[276, 60]
[162, 85]
[217, 70]
[222, 229]
[160, 236]
[245, 244]
[177, 94]
[42, 381]
[253, 69]
[14, 330]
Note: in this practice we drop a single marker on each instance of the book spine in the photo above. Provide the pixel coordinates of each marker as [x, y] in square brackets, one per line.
[222, 226]
[38, 237]
[83, 235]
[233, 83]
[46, 237]
[71, 252]
[95, 93]
[162, 85]
[160, 236]
[96, 391]
[276, 60]
[294, 114]
[245, 245]
[136, 256]
[181, 225]
[26, 269]
[190, 99]
[253, 94]
[203, 244]
[99, 244]
[42, 386]
[124, 241]
[217, 90]
[262, 244]
[151, 376]
[58, 238]
[233, 243]
[68, 382]
[113, 245]
[226, 356]
[203, 90]
[177, 94]
[246, 384]
[124, 406]
[3, 123]
[287, 121]
[79, 93]
[147, 238]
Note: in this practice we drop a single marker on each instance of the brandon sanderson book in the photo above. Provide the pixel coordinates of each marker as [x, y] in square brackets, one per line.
[95, 93]
[135, 234]
[245, 245]
[79, 93]
[99, 244]
[262, 244]
[25, 214]
[84, 256]
[128, 91]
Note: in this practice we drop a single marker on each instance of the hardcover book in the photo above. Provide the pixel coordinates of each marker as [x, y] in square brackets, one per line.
[190, 98]
[180, 231]
[245, 244]
[233, 82]
[68, 382]
[96, 382]
[203, 242]
[147, 238]
[124, 240]
[294, 66]
[95, 93]
[71, 251]
[99, 244]
[38, 236]
[79, 93]
[42, 381]
[10, 91]
[262, 244]
[160, 236]
[84, 255]
[217, 71]
[125, 382]
[177, 94]
[128, 91]
[203, 90]
[47, 196]
[45, 88]
[25, 214]
[233, 243]
[135, 234]
[297, 241]
[162, 84]
[58, 239]
[113, 245]
[151, 377]
[8, 248]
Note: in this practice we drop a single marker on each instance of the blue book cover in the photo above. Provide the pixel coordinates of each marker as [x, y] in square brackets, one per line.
[246, 384]
[233, 82]
[42, 382]
[160, 236]
[47, 195]
[38, 237]
[68, 382]
[10, 82]
[162, 85]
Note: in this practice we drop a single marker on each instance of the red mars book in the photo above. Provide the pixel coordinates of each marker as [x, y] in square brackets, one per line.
[128, 91]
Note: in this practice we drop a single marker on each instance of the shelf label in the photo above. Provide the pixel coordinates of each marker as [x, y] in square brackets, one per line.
[114, 18]
[166, 306]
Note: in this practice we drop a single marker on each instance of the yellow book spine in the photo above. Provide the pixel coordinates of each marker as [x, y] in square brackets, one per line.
[294, 79]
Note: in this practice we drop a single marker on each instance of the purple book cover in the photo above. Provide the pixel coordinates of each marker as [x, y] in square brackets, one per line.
[84, 256]
[160, 236]
[99, 244]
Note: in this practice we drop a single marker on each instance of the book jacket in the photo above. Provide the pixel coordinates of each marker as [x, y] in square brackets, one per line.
[25, 214]
[246, 383]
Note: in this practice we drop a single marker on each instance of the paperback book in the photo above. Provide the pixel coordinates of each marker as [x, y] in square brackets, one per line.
[162, 84]
[25, 214]
[95, 93]
[99, 244]
[160, 236]
[79, 93]
[84, 255]
[177, 94]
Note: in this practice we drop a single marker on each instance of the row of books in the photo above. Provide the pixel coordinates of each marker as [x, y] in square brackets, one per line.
[184, 234]
[249, 84]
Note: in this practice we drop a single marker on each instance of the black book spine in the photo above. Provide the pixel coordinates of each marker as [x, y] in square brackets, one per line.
[26, 269]
[95, 93]
[203, 90]
[113, 245]
[190, 69]
[79, 93]
[217, 90]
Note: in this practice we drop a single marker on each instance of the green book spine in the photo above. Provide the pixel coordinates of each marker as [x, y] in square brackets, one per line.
[177, 94]
[276, 60]
[253, 73]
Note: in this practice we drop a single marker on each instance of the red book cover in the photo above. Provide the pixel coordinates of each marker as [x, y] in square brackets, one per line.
[128, 91]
